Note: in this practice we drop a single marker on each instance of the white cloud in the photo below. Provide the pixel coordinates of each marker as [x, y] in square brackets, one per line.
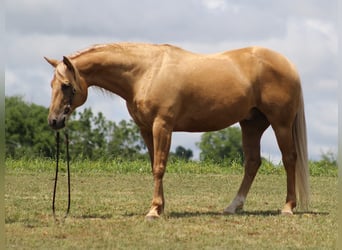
[326, 29]
[215, 4]
[28, 84]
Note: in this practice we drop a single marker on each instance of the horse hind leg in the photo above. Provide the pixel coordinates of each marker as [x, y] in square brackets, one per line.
[289, 157]
[252, 130]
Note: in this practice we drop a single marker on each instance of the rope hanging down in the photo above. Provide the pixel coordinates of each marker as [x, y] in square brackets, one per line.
[56, 176]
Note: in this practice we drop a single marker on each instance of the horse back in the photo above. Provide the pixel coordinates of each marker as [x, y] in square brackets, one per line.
[209, 92]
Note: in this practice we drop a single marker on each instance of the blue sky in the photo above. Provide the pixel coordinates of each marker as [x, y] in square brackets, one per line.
[304, 31]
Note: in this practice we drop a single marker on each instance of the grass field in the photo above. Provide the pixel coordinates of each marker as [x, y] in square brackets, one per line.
[110, 200]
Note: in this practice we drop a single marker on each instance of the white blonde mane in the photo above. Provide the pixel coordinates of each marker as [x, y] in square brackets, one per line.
[120, 46]
[90, 49]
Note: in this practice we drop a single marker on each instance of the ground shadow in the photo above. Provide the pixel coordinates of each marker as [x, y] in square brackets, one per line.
[131, 214]
[94, 216]
[276, 212]
[262, 213]
[188, 214]
[191, 214]
[311, 213]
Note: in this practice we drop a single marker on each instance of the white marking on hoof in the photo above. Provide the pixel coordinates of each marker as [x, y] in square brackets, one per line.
[229, 210]
[286, 212]
[153, 214]
[152, 217]
[236, 205]
[287, 209]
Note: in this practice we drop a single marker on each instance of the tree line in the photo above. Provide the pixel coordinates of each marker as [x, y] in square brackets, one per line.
[92, 137]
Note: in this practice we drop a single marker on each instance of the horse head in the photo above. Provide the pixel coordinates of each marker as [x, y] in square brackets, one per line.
[69, 91]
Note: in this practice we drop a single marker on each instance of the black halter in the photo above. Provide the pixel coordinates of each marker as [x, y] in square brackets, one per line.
[56, 175]
[69, 90]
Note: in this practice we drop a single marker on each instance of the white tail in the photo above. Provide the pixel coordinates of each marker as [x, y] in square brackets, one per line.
[302, 168]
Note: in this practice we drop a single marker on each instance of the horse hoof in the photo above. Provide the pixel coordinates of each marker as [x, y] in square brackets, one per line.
[286, 212]
[229, 211]
[152, 217]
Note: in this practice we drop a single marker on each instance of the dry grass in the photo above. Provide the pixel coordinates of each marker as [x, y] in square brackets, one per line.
[107, 212]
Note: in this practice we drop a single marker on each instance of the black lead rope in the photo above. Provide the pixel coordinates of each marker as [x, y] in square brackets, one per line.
[56, 176]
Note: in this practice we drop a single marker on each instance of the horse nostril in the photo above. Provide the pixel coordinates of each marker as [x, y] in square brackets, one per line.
[53, 122]
[57, 123]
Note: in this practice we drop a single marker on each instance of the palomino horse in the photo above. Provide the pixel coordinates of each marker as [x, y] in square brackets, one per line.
[169, 89]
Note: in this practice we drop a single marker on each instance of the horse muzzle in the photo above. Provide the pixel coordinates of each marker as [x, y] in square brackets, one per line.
[57, 123]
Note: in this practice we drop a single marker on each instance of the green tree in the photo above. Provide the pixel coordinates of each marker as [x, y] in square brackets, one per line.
[221, 145]
[80, 134]
[26, 129]
[328, 159]
[126, 141]
[182, 153]
[89, 134]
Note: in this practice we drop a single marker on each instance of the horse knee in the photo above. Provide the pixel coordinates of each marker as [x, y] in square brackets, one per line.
[252, 166]
[158, 171]
[254, 162]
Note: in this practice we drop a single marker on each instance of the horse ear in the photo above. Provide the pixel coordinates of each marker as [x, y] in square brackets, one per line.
[53, 62]
[69, 66]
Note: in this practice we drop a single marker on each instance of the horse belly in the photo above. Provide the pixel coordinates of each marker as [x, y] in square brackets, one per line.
[203, 119]
[195, 125]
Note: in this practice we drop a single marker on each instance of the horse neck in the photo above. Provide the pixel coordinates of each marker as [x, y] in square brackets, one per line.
[114, 70]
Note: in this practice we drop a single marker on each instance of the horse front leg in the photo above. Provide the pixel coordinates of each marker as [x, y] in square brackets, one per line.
[148, 139]
[161, 144]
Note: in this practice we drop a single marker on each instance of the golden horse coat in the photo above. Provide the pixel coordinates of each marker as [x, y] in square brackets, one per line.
[170, 89]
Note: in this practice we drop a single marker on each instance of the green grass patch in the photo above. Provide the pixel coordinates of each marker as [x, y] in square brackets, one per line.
[121, 166]
[110, 200]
